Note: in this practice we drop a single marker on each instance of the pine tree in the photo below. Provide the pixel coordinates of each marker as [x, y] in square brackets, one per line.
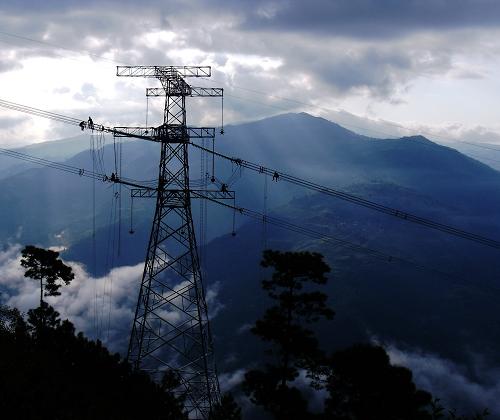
[286, 326]
[45, 266]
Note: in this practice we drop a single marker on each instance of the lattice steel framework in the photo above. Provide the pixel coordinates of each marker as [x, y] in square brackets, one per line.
[171, 327]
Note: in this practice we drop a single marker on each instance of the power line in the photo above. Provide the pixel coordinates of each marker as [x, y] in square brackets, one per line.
[289, 178]
[482, 146]
[39, 112]
[55, 165]
[359, 201]
[52, 45]
[372, 252]
[284, 224]
[82, 172]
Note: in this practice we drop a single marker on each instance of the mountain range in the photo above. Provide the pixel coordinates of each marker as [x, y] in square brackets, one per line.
[441, 298]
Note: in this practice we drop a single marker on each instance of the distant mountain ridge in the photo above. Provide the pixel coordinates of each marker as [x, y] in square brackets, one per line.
[55, 150]
[47, 207]
[300, 144]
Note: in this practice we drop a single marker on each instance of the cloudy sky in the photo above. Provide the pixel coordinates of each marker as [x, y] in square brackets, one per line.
[428, 65]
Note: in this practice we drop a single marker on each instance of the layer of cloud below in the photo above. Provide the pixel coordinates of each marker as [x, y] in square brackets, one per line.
[452, 383]
[100, 307]
[444, 379]
[104, 307]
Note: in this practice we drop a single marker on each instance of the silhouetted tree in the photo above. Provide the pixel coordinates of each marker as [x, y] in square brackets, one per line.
[364, 385]
[44, 322]
[439, 412]
[227, 409]
[361, 382]
[45, 265]
[285, 326]
[10, 318]
[174, 403]
[66, 376]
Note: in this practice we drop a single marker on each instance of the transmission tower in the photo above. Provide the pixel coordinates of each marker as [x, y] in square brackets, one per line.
[171, 326]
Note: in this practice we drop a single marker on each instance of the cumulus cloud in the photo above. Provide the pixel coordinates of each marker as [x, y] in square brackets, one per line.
[230, 380]
[88, 92]
[456, 132]
[8, 122]
[468, 389]
[213, 303]
[8, 63]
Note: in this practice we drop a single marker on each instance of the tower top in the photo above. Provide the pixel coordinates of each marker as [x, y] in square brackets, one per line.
[164, 72]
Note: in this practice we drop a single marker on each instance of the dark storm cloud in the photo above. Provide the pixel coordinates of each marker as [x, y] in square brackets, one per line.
[379, 69]
[376, 69]
[340, 67]
[37, 28]
[335, 44]
[117, 21]
[371, 18]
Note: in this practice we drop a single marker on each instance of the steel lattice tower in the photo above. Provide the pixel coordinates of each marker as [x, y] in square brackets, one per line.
[171, 326]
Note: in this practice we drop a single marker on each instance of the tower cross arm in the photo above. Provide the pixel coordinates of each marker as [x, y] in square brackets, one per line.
[166, 133]
[194, 91]
[202, 194]
[164, 71]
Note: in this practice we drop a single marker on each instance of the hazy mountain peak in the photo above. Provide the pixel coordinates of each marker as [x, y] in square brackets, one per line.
[417, 138]
[304, 126]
